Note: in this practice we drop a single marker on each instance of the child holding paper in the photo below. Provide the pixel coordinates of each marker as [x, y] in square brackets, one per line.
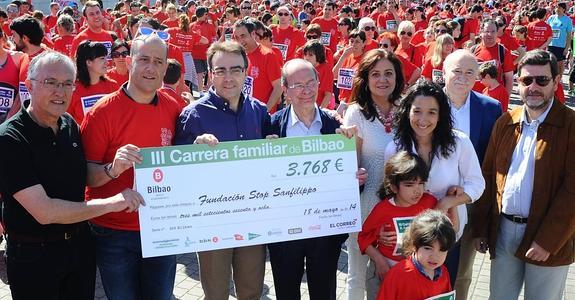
[403, 198]
[422, 274]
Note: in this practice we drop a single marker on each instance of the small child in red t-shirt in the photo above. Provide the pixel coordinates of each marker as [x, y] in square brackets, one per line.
[403, 197]
[493, 89]
[422, 275]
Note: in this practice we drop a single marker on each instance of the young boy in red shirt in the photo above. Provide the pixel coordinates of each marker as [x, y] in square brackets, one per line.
[493, 89]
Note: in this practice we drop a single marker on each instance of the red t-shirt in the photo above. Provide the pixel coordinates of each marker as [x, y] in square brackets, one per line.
[508, 41]
[470, 26]
[171, 93]
[170, 23]
[325, 75]
[104, 37]
[63, 44]
[403, 281]
[264, 68]
[175, 52]
[407, 68]
[386, 21]
[120, 79]
[84, 98]
[435, 74]
[187, 41]
[418, 37]
[329, 34]
[49, 24]
[287, 40]
[207, 30]
[382, 216]
[538, 32]
[413, 54]
[117, 120]
[160, 16]
[372, 45]
[499, 93]
[345, 76]
[9, 79]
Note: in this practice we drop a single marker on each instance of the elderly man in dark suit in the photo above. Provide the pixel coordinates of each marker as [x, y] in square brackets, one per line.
[474, 114]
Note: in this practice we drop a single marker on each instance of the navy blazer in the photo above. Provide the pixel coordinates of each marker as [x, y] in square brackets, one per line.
[484, 112]
[280, 119]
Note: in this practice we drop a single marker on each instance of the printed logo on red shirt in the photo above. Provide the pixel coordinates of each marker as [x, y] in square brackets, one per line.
[166, 136]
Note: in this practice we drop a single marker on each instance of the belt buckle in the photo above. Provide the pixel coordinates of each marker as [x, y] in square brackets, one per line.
[517, 219]
[67, 235]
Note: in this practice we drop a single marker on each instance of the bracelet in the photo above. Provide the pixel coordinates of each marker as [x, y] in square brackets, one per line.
[108, 171]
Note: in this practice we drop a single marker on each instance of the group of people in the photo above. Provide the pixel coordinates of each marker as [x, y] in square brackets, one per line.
[423, 88]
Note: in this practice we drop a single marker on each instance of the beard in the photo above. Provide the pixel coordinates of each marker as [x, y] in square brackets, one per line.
[20, 47]
[539, 104]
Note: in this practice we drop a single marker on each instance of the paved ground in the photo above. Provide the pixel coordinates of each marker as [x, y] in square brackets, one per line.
[187, 285]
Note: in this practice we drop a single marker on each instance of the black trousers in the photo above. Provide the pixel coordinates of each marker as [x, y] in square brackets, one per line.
[320, 256]
[54, 270]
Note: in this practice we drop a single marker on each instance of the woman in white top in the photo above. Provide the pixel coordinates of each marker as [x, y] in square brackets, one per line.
[376, 87]
[424, 126]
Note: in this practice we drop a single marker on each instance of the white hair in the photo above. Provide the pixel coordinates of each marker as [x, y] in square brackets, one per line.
[364, 22]
[406, 25]
[49, 58]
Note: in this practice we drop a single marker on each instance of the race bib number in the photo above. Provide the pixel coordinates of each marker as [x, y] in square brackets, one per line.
[444, 296]
[228, 37]
[325, 38]
[283, 49]
[493, 62]
[391, 24]
[108, 46]
[24, 93]
[248, 86]
[401, 224]
[6, 98]
[345, 78]
[437, 76]
[89, 101]
[556, 33]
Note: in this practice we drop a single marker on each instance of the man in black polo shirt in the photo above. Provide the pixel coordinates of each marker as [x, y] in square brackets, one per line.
[42, 179]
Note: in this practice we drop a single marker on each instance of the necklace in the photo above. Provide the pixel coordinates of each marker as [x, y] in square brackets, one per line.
[386, 120]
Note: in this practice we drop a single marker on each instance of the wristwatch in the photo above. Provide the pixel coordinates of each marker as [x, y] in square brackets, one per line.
[108, 170]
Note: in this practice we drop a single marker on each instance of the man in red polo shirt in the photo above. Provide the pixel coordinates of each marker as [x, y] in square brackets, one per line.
[264, 69]
[327, 22]
[94, 31]
[286, 38]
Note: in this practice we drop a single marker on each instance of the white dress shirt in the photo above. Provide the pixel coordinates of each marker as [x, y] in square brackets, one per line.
[295, 127]
[462, 116]
[518, 190]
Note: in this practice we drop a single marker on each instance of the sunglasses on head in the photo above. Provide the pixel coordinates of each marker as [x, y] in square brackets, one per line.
[116, 54]
[148, 31]
[442, 31]
[369, 28]
[540, 80]
[283, 14]
[409, 33]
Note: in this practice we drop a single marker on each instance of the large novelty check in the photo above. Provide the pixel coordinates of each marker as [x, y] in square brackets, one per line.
[238, 194]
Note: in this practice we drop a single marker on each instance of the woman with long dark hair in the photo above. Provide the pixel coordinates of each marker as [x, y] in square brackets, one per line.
[424, 126]
[377, 87]
[91, 81]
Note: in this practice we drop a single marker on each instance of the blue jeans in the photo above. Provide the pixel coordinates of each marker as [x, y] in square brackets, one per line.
[125, 274]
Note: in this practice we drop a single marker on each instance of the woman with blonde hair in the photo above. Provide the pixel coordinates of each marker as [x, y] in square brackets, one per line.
[406, 49]
[433, 67]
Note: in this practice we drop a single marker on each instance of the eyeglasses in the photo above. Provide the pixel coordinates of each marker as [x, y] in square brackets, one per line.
[540, 80]
[369, 28]
[298, 87]
[442, 31]
[149, 31]
[384, 46]
[409, 33]
[283, 14]
[233, 71]
[311, 37]
[116, 54]
[500, 25]
[54, 84]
